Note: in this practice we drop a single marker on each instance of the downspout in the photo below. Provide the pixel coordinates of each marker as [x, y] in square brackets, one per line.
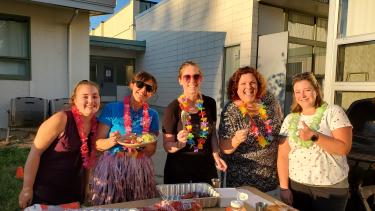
[68, 56]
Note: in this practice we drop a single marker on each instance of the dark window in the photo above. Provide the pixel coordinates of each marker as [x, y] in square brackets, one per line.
[14, 47]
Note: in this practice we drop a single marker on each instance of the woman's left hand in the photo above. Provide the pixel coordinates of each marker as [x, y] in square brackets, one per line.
[305, 133]
[219, 163]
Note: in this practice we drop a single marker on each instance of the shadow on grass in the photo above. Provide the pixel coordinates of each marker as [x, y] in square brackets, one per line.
[10, 158]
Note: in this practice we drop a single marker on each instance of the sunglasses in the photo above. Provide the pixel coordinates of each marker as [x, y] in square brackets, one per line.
[187, 78]
[141, 84]
[304, 75]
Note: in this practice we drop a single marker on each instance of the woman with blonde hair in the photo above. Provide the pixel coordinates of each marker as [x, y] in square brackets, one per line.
[189, 128]
[63, 147]
[312, 165]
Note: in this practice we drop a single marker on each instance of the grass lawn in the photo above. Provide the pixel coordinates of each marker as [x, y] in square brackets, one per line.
[10, 159]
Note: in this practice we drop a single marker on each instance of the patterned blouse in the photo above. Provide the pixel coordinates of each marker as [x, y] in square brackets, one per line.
[250, 164]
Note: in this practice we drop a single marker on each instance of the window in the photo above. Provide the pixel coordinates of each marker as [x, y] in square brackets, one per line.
[356, 62]
[346, 98]
[145, 5]
[356, 17]
[14, 48]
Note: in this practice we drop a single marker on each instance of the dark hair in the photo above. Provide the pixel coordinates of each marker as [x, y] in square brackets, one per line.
[307, 76]
[83, 82]
[188, 63]
[233, 82]
[145, 76]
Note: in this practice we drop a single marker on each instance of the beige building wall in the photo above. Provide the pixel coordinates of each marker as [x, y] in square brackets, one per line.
[48, 43]
[179, 30]
[120, 25]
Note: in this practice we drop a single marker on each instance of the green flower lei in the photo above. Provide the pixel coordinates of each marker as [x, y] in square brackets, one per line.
[293, 126]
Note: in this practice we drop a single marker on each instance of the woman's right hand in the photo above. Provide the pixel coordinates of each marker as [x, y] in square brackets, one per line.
[113, 138]
[182, 137]
[240, 136]
[286, 196]
[25, 197]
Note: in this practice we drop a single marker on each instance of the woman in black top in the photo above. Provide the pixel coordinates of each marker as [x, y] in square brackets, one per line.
[189, 127]
[62, 149]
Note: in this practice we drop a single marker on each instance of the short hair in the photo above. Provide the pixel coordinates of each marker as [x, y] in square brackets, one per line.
[233, 82]
[83, 82]
[145, 76]
[188, 63]
[306, 76]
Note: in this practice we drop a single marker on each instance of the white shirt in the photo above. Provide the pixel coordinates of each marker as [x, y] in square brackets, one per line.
[313, 165]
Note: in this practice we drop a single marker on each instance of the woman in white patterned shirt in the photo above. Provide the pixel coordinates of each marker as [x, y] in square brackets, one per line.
[312, 165]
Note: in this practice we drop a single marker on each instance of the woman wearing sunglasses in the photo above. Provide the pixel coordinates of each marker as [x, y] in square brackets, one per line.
[122, 173]
[312, 166]
[189, 132]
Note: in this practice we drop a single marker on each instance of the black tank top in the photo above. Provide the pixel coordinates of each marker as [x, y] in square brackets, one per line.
[60, 176]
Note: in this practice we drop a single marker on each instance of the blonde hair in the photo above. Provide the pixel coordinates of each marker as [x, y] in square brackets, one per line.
[83, 82]
[188, 63]
[307, 76]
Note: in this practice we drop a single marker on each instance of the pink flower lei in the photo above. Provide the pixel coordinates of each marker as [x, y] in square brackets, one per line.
[128, 120]
[88, 159]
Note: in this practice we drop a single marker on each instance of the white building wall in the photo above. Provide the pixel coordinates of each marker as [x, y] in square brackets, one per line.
[198, 30]
[48, 43]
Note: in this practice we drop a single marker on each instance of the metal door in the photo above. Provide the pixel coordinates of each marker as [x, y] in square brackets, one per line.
[107, 81]
[232, 63]
[271, 62]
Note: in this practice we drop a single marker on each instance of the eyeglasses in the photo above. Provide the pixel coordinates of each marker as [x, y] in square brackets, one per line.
[141, 84]
[304, 75]
[187, 78]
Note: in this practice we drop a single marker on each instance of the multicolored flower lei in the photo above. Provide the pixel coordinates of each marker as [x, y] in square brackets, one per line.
[314, 125]
[184, 105]
[254, 130]
[88, 159]
[128, 120]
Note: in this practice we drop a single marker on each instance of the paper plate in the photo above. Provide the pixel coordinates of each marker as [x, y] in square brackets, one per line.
[135, 145]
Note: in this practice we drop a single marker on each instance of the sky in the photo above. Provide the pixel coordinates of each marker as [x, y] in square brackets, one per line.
[95, 20]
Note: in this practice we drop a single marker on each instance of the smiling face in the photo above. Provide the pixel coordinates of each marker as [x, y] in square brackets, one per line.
[247, 88]
[304, 94]
[190, 80]
[140, 91]
[87, 99]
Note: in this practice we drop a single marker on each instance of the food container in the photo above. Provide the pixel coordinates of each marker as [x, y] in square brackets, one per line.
[173, 192]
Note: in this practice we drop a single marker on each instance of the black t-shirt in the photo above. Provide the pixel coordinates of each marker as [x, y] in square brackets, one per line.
[185, 165]
[172, 123]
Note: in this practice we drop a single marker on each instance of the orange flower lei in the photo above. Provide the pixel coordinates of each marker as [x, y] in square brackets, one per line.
[254, 130]
[184, 105]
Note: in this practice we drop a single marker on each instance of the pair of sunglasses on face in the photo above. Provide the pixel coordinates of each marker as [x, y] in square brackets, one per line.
[141, 84]
[188, 78]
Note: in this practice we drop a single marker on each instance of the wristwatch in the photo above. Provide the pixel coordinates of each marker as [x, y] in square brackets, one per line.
[314, 137]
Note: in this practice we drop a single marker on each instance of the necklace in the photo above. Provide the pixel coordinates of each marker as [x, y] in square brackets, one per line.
[184, 105]
[314, 125]
[254, 129]
[88, 158]
[128, 120]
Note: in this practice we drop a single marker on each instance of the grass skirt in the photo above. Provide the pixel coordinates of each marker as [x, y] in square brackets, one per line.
[118, 178]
